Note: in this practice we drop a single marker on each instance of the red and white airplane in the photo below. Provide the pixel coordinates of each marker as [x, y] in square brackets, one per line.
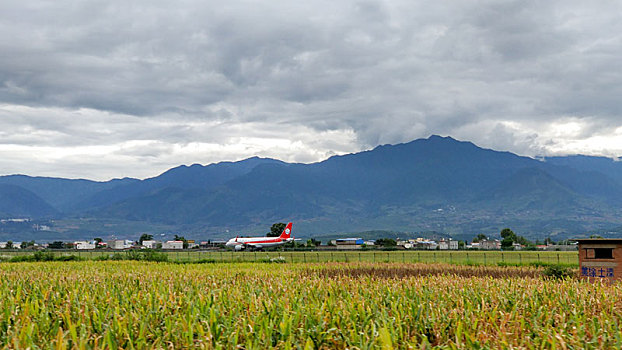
[239, 243]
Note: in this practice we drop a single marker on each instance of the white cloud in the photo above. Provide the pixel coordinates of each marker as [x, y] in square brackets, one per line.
[110, 88]
[86, 144]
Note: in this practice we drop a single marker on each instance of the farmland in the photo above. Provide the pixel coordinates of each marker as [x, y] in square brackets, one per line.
[364, 305]
[427, 256]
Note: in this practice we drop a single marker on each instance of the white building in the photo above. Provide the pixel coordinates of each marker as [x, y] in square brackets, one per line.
[425, 244]
[151, 244]
[432, 245]
[490, 244]
[453, 245]
[4, 221]
[83, 245]
[38, 227]
[119, 244]
[443, 245]
[173, 245]
[407, 244]
[448, 245]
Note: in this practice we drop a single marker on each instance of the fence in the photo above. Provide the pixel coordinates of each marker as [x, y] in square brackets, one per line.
[457, 257]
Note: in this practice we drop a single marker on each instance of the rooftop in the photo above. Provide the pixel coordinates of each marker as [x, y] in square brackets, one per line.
[598, 240]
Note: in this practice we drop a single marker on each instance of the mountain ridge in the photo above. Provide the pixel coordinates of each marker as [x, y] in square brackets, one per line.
[436, 184]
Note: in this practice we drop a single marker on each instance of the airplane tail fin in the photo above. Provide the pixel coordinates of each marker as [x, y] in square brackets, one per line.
[287, 232]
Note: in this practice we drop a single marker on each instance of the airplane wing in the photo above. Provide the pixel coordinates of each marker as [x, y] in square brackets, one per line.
[254, 245]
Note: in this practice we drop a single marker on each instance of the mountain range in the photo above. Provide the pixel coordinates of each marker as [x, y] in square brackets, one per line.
[437, 184]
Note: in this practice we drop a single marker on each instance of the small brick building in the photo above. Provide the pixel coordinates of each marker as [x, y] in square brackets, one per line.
[600, 259]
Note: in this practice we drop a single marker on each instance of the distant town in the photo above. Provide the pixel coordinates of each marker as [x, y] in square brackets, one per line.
[509, 241]
[146, 241]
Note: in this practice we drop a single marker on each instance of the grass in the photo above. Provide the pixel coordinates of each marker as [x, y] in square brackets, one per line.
[520, 258]
[140, 305]
[424, 270]
[141, 255]
[43, 256]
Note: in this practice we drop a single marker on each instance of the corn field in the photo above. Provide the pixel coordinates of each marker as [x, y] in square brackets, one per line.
[404, 256]
[145, 305]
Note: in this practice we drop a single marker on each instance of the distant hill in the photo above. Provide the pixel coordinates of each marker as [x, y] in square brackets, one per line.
[532, 189]
[17, 202]
[431, 184]
[437, 184]
[606, 166]
[63, 194]
[185, 177]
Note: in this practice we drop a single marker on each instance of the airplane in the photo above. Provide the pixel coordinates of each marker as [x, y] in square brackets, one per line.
[239, 243]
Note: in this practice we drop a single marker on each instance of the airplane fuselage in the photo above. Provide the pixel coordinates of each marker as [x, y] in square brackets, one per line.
[239, 243]
[256, 242]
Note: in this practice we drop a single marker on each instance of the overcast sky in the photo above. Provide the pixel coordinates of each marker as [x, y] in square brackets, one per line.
[115, 88]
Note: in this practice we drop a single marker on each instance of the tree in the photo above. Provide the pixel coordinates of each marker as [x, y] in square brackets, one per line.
[183, 239]
[313, 242]
[276, 229]
[480, 237]
[386, 242]
[506, 243]
[292, 245]
[145, 237]
[507, 233]
[25, 245]
[509, 237]
[9, 245]
[461, 244]
[56, 245]
[523, 241]
[98, 242]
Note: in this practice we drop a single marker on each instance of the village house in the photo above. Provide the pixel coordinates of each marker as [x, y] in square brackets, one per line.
[151, 244]
[84, 245]
[490, 244]
[450, 244]
[424, 244]
[173, 245]
[119, 244]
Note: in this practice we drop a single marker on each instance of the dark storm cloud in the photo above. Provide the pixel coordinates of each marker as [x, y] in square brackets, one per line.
[158, 83]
